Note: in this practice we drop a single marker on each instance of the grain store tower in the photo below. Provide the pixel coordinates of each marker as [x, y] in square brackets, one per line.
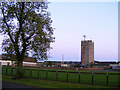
[87, 51]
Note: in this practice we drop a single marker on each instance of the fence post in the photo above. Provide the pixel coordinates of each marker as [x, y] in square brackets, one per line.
[2, 71]
[67, 76]
[79, 77]
[92, 78]
[17, 72]
[46, 75]
[107, 79]
[38, 74]
[11, 71]
[30, 73]
[6, 70]
[23, 73]
[56, 75]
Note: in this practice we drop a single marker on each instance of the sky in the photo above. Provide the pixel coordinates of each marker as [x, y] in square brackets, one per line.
[97, 20]
[71, 20]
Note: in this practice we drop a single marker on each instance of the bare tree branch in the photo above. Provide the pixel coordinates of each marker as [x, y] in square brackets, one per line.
[7, 27]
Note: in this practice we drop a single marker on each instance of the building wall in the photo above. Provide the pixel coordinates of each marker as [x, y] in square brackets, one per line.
[87, 52]
[5, 63]
[91, 52]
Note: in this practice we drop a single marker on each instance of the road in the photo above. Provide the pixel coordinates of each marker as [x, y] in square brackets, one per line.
[8, 85]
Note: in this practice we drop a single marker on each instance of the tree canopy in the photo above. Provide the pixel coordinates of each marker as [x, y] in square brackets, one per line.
[27, 29]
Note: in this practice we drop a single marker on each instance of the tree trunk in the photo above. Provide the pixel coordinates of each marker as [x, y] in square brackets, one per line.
[20, 69]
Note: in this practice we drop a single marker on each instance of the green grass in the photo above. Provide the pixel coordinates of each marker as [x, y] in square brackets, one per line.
[34, 74]
[73, 77]
[42, 74]
[86, 78]
[49, 84]
[51, 76]
[62, 76]
[99, 79]
[113, 80]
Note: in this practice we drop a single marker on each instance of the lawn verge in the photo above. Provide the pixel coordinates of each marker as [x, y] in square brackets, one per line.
[49, 84]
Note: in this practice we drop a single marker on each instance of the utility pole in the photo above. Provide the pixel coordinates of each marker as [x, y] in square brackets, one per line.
[63, 59]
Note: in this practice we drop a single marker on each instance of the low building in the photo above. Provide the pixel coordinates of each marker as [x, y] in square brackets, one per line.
[10, 60]
[29, 64]
[115, 66]
[6, 62]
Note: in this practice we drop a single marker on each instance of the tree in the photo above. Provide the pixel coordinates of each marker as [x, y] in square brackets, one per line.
[49, 63]
[27, 29]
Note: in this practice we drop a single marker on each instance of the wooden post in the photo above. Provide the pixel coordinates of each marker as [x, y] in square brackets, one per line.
[67, 76]
[79, 77]
[6, 70]
[23, 72]
[11, 71]
[107, 79]
[92, 78]
[38, 74]
[56, 75]
[17, 72]
[46, 75]
[2, 72]
[30, 73]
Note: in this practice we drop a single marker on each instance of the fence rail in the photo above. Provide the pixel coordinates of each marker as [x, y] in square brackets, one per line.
[67, 76]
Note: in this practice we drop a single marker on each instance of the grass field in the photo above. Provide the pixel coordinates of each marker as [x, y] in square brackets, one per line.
[52, 84]
[85, 78]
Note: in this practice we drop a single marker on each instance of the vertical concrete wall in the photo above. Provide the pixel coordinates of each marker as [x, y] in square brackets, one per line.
[87, 52]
